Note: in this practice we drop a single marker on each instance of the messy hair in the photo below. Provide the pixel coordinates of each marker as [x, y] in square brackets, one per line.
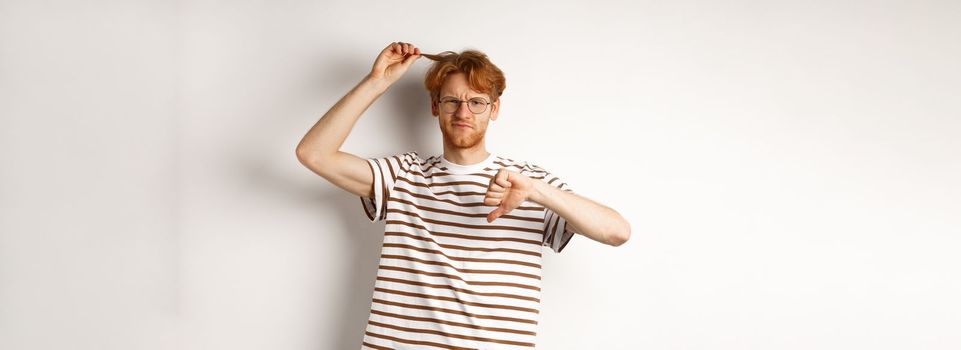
[482, 75]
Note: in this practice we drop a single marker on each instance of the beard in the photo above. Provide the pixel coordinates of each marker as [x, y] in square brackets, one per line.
[462, 138]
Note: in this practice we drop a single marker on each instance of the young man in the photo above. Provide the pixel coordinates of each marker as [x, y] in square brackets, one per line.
[461, 260]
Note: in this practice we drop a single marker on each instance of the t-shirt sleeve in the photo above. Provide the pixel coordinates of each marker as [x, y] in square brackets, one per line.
[386, 171]
[557, 233]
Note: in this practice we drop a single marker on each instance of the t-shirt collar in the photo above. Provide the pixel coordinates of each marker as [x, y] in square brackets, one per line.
[470, 168]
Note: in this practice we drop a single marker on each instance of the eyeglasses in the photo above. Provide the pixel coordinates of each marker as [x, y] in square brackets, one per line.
[476, 105]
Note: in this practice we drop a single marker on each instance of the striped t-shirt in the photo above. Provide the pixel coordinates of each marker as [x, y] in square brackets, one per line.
[447, 278]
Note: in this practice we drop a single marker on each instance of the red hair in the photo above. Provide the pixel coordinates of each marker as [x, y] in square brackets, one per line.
[482, 75]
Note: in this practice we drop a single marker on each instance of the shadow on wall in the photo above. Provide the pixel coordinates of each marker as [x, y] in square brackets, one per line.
[406, 114]
[406, 107]
[350, 297]
[410, 103]
[406, 103]
[353, 296]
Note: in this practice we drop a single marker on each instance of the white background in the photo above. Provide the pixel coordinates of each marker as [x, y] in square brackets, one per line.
[790, 170]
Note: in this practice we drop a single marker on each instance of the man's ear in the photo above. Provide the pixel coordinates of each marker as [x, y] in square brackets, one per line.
[495, 107]
[433, 108]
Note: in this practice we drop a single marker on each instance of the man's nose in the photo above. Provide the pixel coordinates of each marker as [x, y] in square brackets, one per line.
[463, 110]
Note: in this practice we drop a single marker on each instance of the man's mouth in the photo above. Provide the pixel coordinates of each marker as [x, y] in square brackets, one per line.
[461, 125]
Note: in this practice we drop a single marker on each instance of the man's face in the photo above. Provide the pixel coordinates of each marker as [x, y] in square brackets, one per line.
[476, 124]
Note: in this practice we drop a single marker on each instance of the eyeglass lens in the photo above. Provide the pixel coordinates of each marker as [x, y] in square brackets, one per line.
[475, 105]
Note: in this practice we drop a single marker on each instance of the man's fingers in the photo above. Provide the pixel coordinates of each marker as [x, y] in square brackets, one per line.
[494, 214]
[403, 49]
[501, 178]
[495, 194]
[502, 181]
[411, 52]
[399, 48]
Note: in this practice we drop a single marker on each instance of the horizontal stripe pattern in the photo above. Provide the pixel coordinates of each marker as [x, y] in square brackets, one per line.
[556, 232]
[448, 279]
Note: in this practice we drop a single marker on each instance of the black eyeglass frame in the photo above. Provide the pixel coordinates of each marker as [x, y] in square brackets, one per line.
[459, 102]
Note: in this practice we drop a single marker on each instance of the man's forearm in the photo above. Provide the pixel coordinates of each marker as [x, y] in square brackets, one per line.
[326, 137]
[589, 218]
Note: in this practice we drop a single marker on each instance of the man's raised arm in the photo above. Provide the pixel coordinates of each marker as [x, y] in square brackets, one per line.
[319, 150]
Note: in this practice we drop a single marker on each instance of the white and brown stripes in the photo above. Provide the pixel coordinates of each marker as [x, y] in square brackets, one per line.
[447, 278]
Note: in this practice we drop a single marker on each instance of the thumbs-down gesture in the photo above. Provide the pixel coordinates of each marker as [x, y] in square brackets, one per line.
[507, 190]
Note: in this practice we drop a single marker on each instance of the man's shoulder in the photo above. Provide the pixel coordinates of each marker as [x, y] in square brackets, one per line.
[519, 165]
[406, 160]
[413, 157]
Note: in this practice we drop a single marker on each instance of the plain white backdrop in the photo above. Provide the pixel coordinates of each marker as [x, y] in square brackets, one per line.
[790, 169]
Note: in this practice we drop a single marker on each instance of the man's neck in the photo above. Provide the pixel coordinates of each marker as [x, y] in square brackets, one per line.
[466, 156]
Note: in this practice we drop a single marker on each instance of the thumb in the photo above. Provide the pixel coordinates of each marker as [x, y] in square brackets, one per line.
[494, 214]
[410, 60]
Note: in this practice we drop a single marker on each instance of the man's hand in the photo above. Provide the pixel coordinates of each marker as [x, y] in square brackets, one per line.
[393, 61]
[507, 190]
